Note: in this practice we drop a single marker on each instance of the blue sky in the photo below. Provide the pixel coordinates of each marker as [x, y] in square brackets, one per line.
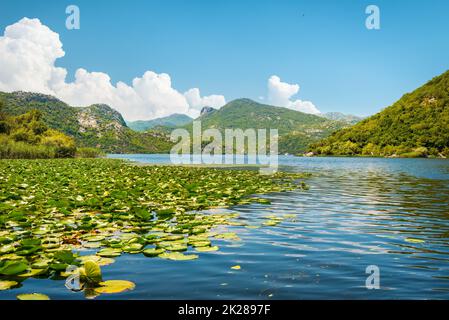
[233, 47]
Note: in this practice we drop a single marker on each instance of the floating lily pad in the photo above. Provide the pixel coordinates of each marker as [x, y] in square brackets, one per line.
[32, 273]
[109, 252]
[152, 252]
[10, 268]
[228, 236]
[32, 296]
[414, 240]
[178, 256]
[207, 249]
[114, 286]
[5, 285]
[101, 261]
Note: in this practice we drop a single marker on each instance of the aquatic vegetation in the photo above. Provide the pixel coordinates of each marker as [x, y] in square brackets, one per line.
[5, 285]
[33, 296]
[414, 240]
[114, 286]
[52, 210]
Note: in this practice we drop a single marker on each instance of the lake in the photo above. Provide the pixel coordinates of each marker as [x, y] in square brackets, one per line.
[391, 213]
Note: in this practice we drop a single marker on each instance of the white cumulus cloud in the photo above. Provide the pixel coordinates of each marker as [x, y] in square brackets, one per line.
[280, 94]
[29, 50]
[197, 102]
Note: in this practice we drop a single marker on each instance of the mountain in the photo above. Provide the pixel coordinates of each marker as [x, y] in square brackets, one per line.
[296, 129]
[97, 126]
[415, 125]
[338, 116]
[205, 110]
[172, 121]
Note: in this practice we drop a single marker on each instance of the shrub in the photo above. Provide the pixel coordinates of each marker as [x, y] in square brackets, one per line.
[88, 153]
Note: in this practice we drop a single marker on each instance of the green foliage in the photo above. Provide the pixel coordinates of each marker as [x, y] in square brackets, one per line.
[86, 152]
[26, 136]
[415, 126]
[97, 126]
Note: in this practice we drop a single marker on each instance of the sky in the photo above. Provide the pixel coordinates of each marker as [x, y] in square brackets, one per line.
[152, 58]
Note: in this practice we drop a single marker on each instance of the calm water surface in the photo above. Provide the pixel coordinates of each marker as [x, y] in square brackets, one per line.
[358, 212]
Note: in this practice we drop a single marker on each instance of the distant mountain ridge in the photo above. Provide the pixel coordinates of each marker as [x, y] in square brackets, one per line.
[174, 120]
[97, 125]
[339, 116]
[416, 125]
[296, 129]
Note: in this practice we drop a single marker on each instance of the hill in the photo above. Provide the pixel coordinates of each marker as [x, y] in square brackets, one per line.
[416, 125]
[96, 126]
[296, 129]
[172, 121]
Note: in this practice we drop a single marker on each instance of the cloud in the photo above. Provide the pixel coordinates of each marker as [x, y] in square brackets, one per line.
[29, 50]
[197, 102]
[280, 94]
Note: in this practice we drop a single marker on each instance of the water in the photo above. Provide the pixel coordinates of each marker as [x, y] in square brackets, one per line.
[358, 212]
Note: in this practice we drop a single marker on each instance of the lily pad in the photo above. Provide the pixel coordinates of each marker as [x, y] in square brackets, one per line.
[114, 286]
[5, 285]
[207, 249]
[11, 268]
[153, 252]
[178, 256]
[110, 252]
[32, 296]
[414, 240]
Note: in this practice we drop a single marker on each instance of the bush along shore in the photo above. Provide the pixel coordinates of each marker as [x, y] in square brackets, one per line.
[51, 209]
[27, 137]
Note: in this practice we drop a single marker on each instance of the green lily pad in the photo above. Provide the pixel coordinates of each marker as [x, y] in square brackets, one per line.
[101, 261]
[109, 252]
[32, 273]
[32, 296]
[5, 285]
[177, 256]
[152, 252]
[413, 240]
[114, 286]
[11, 268]
[206, 249]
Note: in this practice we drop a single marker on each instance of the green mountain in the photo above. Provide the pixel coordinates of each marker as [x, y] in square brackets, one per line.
[172, 121]
[416, 125]
[338, 116]
[296, 129]
[95, 126]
